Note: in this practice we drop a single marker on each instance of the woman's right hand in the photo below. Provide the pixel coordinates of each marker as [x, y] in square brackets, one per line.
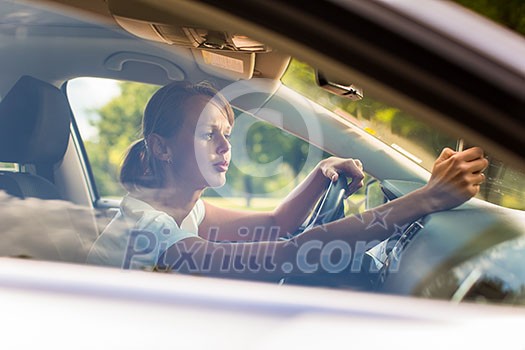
[332, 167]
[456, 177]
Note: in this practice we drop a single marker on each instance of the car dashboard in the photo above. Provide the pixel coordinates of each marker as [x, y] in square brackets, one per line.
[461, 254]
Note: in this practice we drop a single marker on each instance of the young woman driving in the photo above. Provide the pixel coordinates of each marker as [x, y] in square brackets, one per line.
[185, 149]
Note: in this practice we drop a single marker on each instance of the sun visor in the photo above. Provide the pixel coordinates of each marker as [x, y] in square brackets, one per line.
[149, 22]
[229, 65]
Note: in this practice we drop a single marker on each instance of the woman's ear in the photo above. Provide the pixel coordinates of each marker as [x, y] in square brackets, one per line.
[158, 147]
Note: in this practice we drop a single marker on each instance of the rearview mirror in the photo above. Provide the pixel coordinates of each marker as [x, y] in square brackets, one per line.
[345, 90]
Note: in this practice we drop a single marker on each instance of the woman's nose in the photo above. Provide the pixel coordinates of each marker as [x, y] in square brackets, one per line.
[224, 145]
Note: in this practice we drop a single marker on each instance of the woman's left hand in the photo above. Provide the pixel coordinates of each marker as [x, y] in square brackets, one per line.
[351, 168]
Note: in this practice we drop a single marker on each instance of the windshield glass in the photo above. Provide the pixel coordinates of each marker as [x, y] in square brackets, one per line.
[411, 136]
[510, 14]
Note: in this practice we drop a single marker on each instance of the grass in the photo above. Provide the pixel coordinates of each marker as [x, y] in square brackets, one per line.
[256, 203]
[266, 204]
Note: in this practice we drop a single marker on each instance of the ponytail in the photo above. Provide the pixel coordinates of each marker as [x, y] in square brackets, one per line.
[137, 170]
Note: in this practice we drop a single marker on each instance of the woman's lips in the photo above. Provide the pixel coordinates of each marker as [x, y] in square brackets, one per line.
[221, 166]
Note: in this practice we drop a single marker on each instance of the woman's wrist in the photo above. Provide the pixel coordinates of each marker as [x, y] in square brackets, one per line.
[320, 170]
[425, 201]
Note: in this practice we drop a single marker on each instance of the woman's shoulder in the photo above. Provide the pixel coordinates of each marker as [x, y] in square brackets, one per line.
[144, 216]
[200, 211]
[136, 223]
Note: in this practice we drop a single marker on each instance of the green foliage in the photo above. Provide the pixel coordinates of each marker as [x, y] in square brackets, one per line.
[267, 143]
[119, 125]
[121, 118]
[389, 124]
[393, 126]
[510, 13]
[264, 144]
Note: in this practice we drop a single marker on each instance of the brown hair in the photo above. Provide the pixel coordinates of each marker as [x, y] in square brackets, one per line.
[163, 115]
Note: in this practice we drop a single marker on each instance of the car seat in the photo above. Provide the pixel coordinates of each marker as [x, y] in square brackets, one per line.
[34, 133]
[34, 130]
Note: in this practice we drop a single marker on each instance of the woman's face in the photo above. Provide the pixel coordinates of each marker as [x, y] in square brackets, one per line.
[201, 150]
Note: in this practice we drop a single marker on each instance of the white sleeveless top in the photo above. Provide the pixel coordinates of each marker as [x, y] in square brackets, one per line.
[139, 234]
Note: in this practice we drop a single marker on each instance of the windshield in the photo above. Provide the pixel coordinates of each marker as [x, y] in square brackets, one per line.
[409, 135]
[510, 14]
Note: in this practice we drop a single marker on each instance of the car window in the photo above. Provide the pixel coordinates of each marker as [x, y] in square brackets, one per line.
[8, 166]
[267, 161]
[510, 15]
[417, 140]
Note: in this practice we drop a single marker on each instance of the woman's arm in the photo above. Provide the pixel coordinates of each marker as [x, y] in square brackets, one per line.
[237, 225]
[455, 178]
[273, 260]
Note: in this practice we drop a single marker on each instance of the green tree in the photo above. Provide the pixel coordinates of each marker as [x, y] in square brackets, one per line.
[118, 126]
[267, 143]
[510, 13]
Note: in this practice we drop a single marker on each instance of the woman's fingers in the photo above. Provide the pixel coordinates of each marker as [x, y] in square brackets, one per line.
[476, 179]
[457, 176]
[332, 174]
[469, 166]
[482, 178]
[351, 168]
[477, 166]
[471, 154]
[446, 153]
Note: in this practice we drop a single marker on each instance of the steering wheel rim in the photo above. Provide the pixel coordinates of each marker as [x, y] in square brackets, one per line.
[331, 205]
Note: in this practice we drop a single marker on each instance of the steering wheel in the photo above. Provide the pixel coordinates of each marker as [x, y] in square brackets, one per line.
[331, 206]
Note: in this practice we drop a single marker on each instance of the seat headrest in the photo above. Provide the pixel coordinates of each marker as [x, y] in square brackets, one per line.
[34, 123]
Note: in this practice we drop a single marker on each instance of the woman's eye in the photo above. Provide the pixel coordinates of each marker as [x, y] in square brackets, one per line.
[209, 136]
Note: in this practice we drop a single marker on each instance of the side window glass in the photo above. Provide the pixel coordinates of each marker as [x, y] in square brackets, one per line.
[108, 114]
[8, 167]
[267, 162]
